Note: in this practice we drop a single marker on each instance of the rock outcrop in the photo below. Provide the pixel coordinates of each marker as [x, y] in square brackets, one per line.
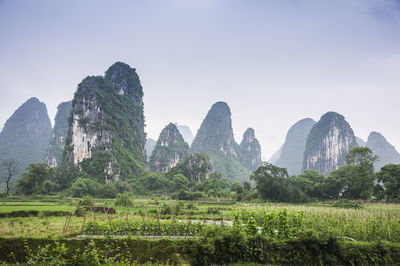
[293, 149]
[59, 134]
[385, 151]
[215, 139]
[328, 142]
[170, 150]
[250, 150]
[107, 119]
[26, 135]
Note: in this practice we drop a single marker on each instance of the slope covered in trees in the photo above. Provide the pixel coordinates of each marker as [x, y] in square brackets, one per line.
[26, 134]
[106, 130]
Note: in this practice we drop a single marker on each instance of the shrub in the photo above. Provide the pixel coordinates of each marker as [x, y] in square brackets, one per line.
[123, 200]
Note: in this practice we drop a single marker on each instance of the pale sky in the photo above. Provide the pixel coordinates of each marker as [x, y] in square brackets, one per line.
[274, 62]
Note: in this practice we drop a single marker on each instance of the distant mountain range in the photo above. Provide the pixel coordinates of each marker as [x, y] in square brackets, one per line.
[103, 132]
[25, 136]
[326, 144]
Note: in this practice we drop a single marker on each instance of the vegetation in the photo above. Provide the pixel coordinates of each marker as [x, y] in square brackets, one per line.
[25, 136]
[116, 108]
[215, 232]
[389, 175]
[170, 147]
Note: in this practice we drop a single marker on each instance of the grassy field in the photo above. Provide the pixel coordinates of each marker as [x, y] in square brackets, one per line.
[370, 223]
[263, 232]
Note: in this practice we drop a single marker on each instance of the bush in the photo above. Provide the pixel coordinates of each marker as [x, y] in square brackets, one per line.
[123, 200]
[86, 201]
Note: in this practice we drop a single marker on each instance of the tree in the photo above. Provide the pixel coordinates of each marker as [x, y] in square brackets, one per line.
[362, 156]
[66, 174]
[179, 182]
[334, 183]
[270, 182]
[310, 182]
[389, 175]
[11, 169]
[360, 176]
[33, 180]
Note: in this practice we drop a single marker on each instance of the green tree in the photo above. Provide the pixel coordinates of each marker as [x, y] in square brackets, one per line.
[361, 156]
[178, 182]
[66, 174]
[33, 180]
[236, 187]
[389, 175]
[270, 182]
[360, 176]
[333, 184]
[84, 186]
[95, 166]
[310, 182]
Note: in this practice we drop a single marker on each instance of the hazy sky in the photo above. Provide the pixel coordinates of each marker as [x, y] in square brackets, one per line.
[274, 62]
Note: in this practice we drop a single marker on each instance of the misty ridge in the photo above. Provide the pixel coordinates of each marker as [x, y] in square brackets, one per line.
[102, 130]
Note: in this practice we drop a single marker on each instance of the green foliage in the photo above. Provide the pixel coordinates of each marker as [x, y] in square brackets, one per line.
[188, 195]
[196, 167]
[178, 182]
[389, 175]
[84, 186]
[344, 203]
[86, 201]
[361, 156]
[123, 200]
[96, 166]
[352, 181]
[270, 182]
[169, 147]
[38, 179]
[141, 227]
[66, 174]
[59, 254]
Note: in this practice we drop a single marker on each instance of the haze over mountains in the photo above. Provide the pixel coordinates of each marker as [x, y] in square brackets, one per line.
[323, 146]
[291, 154]
[25, 136]
[103, 129]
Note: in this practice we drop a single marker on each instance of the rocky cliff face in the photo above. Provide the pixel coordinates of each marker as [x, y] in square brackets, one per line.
[26, 134]
[186, 133]
[250, 150]
[293, 149]
[59, 134]
[170, 150]
[107, 118]
[215, 138]
[328, 143]
[385, 151]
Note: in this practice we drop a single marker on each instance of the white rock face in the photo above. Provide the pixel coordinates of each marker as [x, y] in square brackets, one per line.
[327, 152]
[84, 137]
